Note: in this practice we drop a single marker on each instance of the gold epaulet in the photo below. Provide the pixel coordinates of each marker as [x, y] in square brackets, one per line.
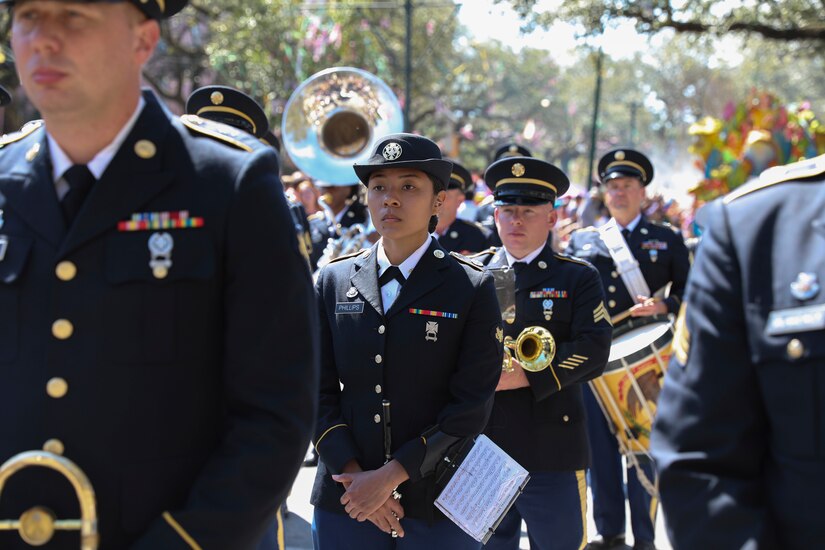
[780, 174]
[487, 200]
[221, 132]
[489, 251]
[26, 130]
[347, 256]
[317, 216]
[467, 261]
[570, 259]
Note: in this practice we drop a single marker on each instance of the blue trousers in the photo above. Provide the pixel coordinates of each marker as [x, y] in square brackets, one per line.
[606, 482]
[554, 506]
[333, 531]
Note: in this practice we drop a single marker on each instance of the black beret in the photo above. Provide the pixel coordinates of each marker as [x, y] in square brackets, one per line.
[406, 151]
[154, 9]
[525, 181]
[511, 150]
[625, 162]
[460, 178]
[229, 106]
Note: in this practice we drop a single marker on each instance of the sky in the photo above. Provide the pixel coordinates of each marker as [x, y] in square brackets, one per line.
[486, 20]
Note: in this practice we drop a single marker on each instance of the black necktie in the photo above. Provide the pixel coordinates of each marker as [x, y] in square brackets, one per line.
[392, 272]
[80, 180]
[626, 234]
[518, 267]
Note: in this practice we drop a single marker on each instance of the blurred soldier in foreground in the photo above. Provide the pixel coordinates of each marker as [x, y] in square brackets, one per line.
[739, 436]
[157, 315]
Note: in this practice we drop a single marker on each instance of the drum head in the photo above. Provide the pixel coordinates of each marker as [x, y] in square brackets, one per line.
[627, 342]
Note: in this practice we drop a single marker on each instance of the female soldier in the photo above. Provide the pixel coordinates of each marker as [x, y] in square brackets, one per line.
[406, 328]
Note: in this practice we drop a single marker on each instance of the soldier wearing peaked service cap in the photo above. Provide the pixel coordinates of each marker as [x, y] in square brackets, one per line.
[169, 351]
[658, 258]
[453, 233]
[429, 323]
[235, 108]
[486, 210]
[538, 415]
[229, 106]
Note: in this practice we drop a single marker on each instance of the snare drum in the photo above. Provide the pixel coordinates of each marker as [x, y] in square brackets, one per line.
[628, 390]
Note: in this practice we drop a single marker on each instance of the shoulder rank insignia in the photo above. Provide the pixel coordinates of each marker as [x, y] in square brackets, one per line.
[27, 129]
[221, 132]
[489, 252]
[346, 256]
[571, 259]
[780, 174]
[467, 261]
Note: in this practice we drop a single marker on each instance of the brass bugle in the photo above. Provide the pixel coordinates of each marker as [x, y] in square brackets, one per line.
[534, 349]
[38, 524]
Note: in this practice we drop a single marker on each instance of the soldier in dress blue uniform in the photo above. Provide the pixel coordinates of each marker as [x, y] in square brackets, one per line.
[538, 417]
[739, 435]
[453, 233]
[486, 209]
[663, 259]
[156, 319]
[407, 324]
[235, 108]
[342, 208]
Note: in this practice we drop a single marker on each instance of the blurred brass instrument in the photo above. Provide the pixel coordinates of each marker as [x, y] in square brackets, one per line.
[351, 239]
[38, 524]
[333, 117]
[534, 349]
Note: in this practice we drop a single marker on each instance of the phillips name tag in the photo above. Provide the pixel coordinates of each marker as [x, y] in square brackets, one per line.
[798, 319]
[349, 308]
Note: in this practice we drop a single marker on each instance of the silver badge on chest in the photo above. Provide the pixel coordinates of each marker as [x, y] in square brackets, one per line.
[431, 330]
[160, 254]
[805, 286]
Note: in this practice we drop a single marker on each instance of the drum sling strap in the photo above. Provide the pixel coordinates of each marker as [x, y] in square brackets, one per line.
[626, 264]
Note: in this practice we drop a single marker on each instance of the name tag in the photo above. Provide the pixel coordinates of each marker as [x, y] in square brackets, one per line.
[798, 319]
[349, 308]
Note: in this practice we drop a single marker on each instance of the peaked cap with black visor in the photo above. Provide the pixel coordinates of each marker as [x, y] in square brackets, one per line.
[229, 106]
[525, 181]
[406, 151]
[625, 163]
[154, 9]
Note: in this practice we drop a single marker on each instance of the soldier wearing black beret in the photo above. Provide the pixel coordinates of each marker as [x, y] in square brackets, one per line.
[409, 332]
[453, 233]
[538, 415]
[158, 336]
[662, 259]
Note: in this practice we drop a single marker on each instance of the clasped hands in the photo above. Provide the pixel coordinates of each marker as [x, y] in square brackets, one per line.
[369, 495]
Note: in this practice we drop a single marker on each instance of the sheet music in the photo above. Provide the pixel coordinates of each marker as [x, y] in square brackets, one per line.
[482, 489]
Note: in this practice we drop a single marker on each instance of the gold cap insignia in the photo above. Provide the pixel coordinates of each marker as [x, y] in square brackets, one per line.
[513, 149]
[216, 98]
[619, 155]
[518, 169]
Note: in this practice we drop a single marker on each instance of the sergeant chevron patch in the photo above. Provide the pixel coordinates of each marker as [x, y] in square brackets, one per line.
[600, 313]
[572, 362]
